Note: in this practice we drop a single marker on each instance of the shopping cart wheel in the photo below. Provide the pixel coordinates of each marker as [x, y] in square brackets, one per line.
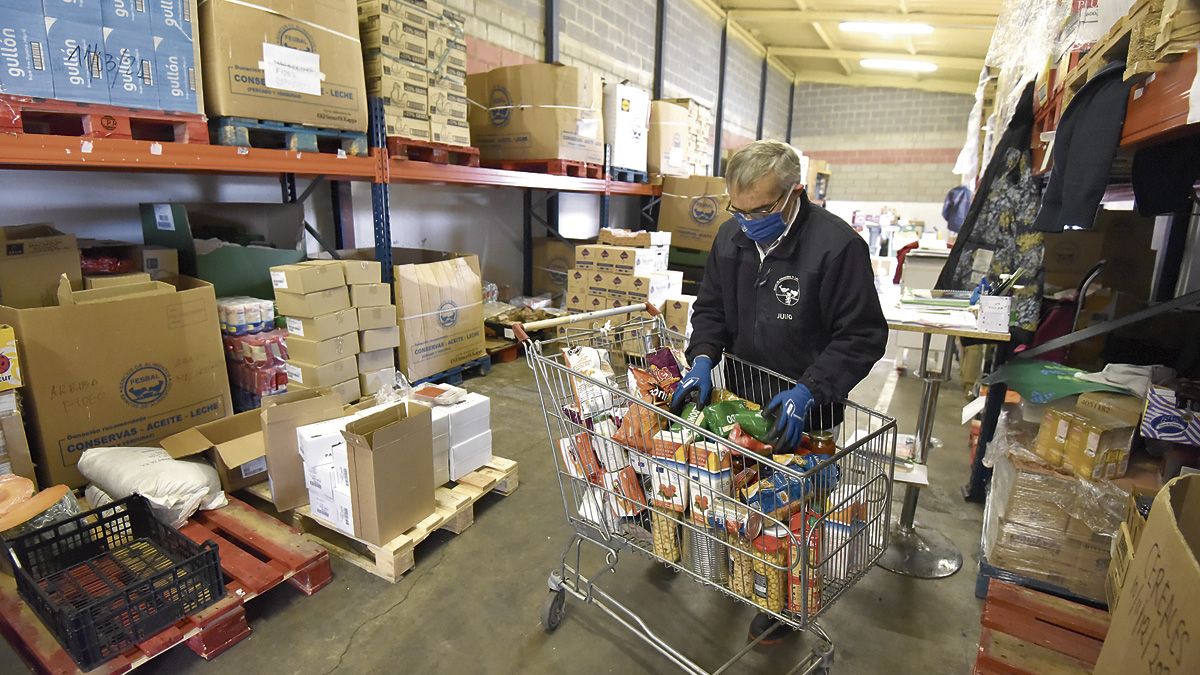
[553, 610]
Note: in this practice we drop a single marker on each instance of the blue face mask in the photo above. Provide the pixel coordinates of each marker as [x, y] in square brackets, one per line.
[765, 229]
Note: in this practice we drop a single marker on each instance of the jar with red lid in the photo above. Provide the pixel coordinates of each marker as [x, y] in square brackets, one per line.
[770, 568]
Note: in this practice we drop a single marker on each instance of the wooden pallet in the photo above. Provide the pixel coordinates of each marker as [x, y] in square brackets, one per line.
[502, 351]
[989, 574]
[251, 133]
[481, 366]
[628, 175]
[434, 153]
[454, 512]
[257, 552]
[1130, 39]
[557, 167]
[29, 115]
[1030, 633]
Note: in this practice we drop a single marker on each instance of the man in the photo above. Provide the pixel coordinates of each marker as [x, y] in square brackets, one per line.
[788, 286]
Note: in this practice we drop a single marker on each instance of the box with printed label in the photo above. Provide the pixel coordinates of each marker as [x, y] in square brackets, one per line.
[10, 367]
[374, 13]
[323, 351]
[362, 271]
[323, 375]
[449, 131]
[677, 313]
[369, 362]
[372, 382]
[396, 39]
[577, 302]
[370, 295]
[408, 125]
[692, 210]
[234, 445]
[325, 326]
[310, 305]
[282, 415]
[444, 103]
[439, 307]
[377, 65]
[126, 14]
[176, 62]
[399, 96]
[623, 259]
[27, 70]
[32, 259]
[600, 283]
[637, 239]
[77, 60]
[576, 281]
[172, 17]
[86, 11]
[380, 338]
[301, 278]
[626, 124]
[297, 61]
[383, 316]
[160, 262]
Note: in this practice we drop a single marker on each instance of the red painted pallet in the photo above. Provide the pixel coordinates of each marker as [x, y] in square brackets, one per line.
[29, 115]
[408, 149]
[556, 167]
[257, 554]
[1026, 632]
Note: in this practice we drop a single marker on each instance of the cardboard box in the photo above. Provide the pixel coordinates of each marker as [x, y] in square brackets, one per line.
[295, 61]
[374, 13]
[626, 124]
[323, 327]
[160, 262]
[27, 63]
[281, 415]
[449, 131]
[621, 259]
[552, 258]
[409, 125]
[470, 455]
[576, 303]
[323, 351]
[32, 258]
[395, 39]
[371, 295]
[1121, 238]
[636, 239]
[129, 62]
[322, 374]
[1097, 445]
[369, 362]
[469, 418]
[155, 365]
[439, 308]
[380, 338]
[77, 60]
[347, 392]
[362, 272]
[391, 466]
[372, 382]
[692, 210]
[16, 446]
[1127, 409]
[577, 281]
[66, 296]
[306, 278]
[126, 13]
[536, 112]
[1160, 597]
[167, 16]
[110, 280]
[10, 365]
[1168, 418]
[667, 139]
[677, 313]
[311, 305]
[177, 58]
[234, 445]
[383, 316]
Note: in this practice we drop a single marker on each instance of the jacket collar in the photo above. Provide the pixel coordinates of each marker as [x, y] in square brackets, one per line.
[788, 246]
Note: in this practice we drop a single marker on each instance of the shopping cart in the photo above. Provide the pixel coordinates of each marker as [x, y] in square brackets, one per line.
[803, 529]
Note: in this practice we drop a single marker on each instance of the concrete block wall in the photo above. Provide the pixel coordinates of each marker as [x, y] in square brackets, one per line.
[692, 52]
[501, 31]
[775, 111]
[613, 37]
[883, 144]
[743, 75]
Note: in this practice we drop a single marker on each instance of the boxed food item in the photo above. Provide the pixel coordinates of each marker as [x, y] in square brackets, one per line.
[324, 326]
[155, 365]
[439, 307]
[576, 302]
[370, 295]
[177, 55]
[577, 280]
[626, 124]
[323, 375]
[621, 259]
[312, 305]
[130, 63]
[362, 271]
[677, 313]
[295, 61]
[667, 145]
[382, 316]
[692, 210]
[76, 54]
[669, 480]
[26, 73]
[10, 366]
[302, 278]
[552, 260]
[369, 362]
[32, 258]
[1098, 446]
[281, 416]
[536, 112]
[1171, 416]
[636, 239]
[375, 339]
[323, 351]
[1052, 435]
[234, 445]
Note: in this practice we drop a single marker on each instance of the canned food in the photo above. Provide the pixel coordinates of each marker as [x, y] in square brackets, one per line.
[770, 569]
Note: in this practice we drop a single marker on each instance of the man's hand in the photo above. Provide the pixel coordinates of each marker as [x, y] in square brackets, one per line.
[698, 379]
[790, 409]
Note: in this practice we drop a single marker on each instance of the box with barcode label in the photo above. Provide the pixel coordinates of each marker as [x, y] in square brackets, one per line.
[26, 69]
[310, 277]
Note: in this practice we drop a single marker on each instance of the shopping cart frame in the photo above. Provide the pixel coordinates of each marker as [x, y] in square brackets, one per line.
[877, 445]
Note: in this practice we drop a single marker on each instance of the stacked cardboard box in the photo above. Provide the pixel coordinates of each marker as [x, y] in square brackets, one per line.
[624, 268]
[378, 334]
[415, 55]
[699, 141]
[677, 314]
[692, 210]
[322, 341]
[462, 438]
[626, 125]
[135, 54]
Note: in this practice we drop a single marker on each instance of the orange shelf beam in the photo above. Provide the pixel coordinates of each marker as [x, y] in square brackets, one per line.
[1158, 108]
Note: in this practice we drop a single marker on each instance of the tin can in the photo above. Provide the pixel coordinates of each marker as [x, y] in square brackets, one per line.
[706, 555]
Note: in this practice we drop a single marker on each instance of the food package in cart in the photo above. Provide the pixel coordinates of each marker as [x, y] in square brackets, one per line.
[638, 428]
[806, 580]
[656, 382]
[592, 363]
[626, 495]
[710, 467]
[610, 453]
[669, 482]
[579, 458]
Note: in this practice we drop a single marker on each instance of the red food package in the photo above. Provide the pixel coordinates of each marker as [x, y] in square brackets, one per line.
[580, 458]
[638, 428]
[740, 437]
[625, 483]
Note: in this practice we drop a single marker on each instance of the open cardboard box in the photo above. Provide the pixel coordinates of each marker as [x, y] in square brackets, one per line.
[234, 445]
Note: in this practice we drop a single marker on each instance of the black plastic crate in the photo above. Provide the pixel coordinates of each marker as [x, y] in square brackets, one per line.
[112, 577]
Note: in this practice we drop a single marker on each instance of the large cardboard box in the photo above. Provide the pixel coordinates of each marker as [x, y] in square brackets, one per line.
[439, 308]
[32, 258]
[390, 454]
[692, 210]
[322, 351]
[552, 257]
[295, 61]
[16, 446]
[1159, 602]
[626, 124]
[234, 445]
[537, 111]
[26, 71]
[667, 145]
[1121, 238]
[323, 375]
[281, 416]
[139, 369]
[325, 326]
[10, 364]
[307, 278]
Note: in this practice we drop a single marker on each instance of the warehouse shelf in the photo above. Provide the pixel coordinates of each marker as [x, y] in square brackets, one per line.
[407, 171]
[1158, 108]
[36, 151]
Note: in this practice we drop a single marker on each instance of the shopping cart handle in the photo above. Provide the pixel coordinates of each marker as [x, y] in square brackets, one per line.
[521, 330]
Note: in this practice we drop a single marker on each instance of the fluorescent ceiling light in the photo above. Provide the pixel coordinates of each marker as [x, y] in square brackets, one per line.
[898, 64]
[886, 28]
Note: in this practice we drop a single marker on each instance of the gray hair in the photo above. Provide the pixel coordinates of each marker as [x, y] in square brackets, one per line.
[761, 158]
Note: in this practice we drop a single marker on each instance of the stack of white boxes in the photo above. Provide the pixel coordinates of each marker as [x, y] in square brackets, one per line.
[462, 438]
[322, 339]
[624, 268]
[378, 334]
[327, 472]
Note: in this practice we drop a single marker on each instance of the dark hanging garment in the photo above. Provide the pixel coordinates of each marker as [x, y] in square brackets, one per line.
[955, 206]
[1163, 176]
[997, 235]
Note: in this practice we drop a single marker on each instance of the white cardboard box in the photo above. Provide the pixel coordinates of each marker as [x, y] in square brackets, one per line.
[469, 418]
[370, 383]
[470, 455]
[627, 125]
[441, 460]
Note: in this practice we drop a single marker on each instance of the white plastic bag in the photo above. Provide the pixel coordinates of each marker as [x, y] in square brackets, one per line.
[175, 488]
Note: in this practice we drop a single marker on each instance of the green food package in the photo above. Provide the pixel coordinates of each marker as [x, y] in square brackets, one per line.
[754, 423]
[719, 418]
[690, 413]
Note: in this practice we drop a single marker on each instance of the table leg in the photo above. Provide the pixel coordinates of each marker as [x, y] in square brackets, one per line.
[918, 551]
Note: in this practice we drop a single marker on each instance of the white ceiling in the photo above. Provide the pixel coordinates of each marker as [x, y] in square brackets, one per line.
[804, 35]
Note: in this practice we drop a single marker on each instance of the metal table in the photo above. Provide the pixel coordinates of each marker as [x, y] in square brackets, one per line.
[918, 551]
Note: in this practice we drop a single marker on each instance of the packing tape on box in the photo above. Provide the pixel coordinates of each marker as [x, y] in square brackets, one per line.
[438, 311]
[520, 106]
[250, 5]
[720, 196]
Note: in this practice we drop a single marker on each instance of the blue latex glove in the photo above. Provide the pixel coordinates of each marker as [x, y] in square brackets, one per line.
[790, 409]
[698, 379]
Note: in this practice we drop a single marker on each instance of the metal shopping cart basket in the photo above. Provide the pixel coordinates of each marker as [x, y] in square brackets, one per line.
[786, 534]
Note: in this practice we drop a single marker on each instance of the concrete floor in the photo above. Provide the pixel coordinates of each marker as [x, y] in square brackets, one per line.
[472, 603]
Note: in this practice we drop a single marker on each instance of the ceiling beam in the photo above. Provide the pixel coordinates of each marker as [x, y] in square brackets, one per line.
[964, 62]
[897, 81]
[969, 21]
[801, 6]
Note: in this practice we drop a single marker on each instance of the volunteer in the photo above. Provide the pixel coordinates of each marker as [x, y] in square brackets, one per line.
[788, 286]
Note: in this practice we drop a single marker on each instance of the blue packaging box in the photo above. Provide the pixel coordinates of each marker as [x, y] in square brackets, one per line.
[77, 60]
[24, 55]
[129, 66]
[126, 13]
[83, 11]
[177, 75]
[171, 18]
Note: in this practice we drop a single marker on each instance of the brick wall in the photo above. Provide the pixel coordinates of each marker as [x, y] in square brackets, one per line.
[692, 52]
[512, 27]
[776, 110]
[614, 37]
[743, 74]
[883, 144]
